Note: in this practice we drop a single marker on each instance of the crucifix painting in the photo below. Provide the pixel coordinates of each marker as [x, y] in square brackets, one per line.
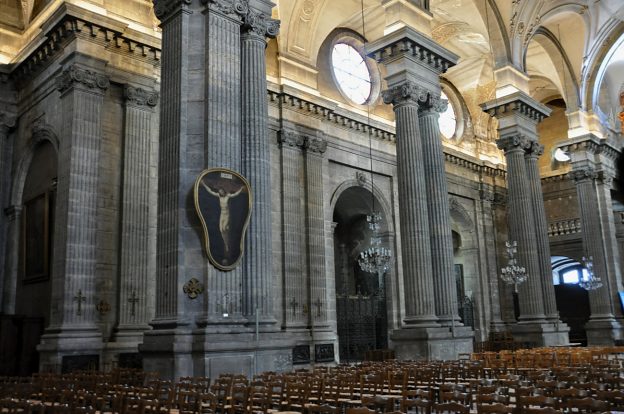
[223, 204]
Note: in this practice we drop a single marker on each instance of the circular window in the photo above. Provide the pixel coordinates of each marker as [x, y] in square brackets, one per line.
[351, 73]
[448, 120]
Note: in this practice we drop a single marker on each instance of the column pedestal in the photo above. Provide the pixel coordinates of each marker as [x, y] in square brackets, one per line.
[432, 343]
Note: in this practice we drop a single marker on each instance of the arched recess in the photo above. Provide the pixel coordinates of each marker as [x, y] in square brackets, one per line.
[499, 39]
[465, 250]
[565, 80]
[363, 300]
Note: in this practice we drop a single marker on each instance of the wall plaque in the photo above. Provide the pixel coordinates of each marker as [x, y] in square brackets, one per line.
[301, 354]
[72, 363]
[223, 202]
[324, 353]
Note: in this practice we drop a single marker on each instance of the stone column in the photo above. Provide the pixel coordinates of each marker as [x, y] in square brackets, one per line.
[258, 271]
[134, 265]
[7, 122]
[13, 214]
[522, 228]
[74, 258]
[315, 147]
[534, 151]
[413, 207]
[585, 179]
[228, 291]
[439, 210]
[293, 239]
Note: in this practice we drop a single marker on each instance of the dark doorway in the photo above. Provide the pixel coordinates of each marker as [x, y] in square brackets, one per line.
[573, 305]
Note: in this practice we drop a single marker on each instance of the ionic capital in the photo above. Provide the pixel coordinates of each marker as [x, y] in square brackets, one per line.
[164, 8]
[260, 24]
[410, 92]
[75, 75]
[513, 142]
[236, 9]
[535, 149]
[287, 138]
[605, 178]
[7, 121]
[316, 145]
[140, 96]
[583, 174]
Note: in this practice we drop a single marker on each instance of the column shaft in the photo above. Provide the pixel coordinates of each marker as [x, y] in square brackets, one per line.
[258, 276]
[599, 300]
[413, 208]
[541, 231]
[293, 240]
[5, 185]
[13, 214]
[315, 226]
[439, 218]
[74, 266]
[522, 228]
[488, 248]
[135, 212]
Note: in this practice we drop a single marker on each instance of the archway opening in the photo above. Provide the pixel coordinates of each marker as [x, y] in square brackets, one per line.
[572, 299]
[32, 305]
[361, 297]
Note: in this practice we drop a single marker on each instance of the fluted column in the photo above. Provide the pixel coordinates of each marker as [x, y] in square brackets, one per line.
[599, 301]
[293, 239]
[258, 271]
[172, 185]
[135, 212]
[413, 207]
[315, 147]
[534, 151]
[7, 122]
[73, 282]
[232, 291]
[522, 228]
[439, 211]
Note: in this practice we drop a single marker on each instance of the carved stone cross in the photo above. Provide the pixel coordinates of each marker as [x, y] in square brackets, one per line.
[79, 298]
[318, 305]
[133, 301]
[294, 304]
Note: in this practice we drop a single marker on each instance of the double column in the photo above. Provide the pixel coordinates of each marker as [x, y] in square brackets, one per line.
[414, 64]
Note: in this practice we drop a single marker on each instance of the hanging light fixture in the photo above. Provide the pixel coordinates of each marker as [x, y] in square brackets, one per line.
[592, 282]
[376, 259]
[513, 274]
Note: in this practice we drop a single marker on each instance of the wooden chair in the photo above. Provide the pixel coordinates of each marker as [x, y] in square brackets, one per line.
[360, 410]
[450, 407]
[416, 405]
[495, 408]
[322, 409]
[541, 410]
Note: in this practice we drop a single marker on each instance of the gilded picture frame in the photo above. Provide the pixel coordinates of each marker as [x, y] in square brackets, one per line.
[223, 202]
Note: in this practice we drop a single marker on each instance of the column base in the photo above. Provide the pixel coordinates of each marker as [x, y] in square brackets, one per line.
[437, 343]
[168, 352]
[603, 331]
[69, 349]
[541, 333]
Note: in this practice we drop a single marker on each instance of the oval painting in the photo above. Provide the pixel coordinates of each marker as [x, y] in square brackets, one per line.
[223, 203]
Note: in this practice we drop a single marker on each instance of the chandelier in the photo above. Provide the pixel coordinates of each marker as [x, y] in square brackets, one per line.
[513, 274]
[376, 259]
[592, 282]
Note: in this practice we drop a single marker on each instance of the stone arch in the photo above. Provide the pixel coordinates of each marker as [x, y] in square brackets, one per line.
[40, 132]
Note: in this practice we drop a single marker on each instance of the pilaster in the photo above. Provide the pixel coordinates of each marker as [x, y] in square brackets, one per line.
[295, 294]
[82, 91]
[315, 147]
[7, 122]
[13, 215]
[134, 277]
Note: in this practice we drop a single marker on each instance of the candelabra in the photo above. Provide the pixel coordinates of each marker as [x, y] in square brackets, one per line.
[592, 282]
[376, 259]
[513, 273]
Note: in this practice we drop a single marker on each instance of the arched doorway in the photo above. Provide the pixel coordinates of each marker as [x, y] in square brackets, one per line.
[34, 274]
[572, 299]
[361, 297]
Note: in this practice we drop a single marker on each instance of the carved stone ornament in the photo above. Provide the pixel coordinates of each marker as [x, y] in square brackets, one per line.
[76, 75]
[163, 8]
[140, 97]
[261, 24]
[512, 142]
[583, 174]
[103, 307]
[360, 177]
[409, 92]
[605, 177]
[7, 120]
[316, 145]
[193, 288]
[535, 149]
[290, 139]
[237, 9]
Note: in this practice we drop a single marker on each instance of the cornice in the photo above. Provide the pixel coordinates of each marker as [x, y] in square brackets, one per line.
[70, 27]
[517, 103]
[591, 144]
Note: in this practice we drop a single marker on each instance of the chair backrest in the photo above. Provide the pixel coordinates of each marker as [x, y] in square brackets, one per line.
[450, 407]
[360, 410]
[495, 408]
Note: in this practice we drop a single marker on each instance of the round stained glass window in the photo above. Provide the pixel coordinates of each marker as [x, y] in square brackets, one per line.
[447, 120]
[351, 73]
